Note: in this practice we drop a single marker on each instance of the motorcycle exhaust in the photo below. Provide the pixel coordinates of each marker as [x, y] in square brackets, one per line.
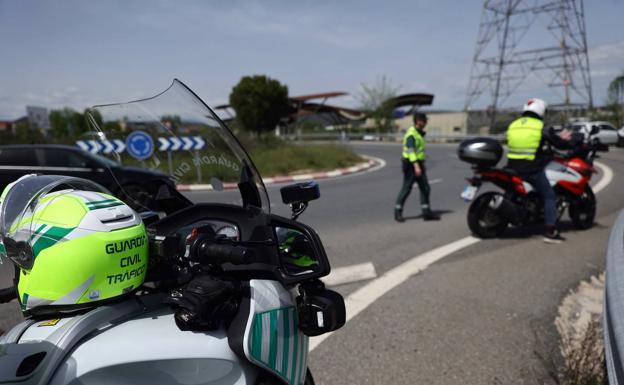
[513, 212]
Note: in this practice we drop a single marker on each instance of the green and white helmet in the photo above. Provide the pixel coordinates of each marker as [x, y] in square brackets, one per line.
[75, 244]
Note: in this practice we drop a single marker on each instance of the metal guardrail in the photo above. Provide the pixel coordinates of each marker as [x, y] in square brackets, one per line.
[340, 137]
[613, 313]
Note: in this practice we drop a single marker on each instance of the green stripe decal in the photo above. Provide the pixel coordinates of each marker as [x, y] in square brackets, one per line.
[50, 238]
[256, 338]
[276, 343]
[105, 205]
[101, 202]
[37, 232]
[273, 338]
[286, 337]
[24, 302]
[295, 359]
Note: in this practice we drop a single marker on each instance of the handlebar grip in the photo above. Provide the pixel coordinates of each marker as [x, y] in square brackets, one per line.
[221, 253]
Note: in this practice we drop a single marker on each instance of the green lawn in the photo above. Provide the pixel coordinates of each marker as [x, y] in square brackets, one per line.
[272, 157]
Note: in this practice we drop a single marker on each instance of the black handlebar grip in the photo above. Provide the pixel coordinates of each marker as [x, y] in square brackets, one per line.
[220, 253]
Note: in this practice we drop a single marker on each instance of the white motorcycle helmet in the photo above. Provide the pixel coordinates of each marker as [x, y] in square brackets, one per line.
[536, 106]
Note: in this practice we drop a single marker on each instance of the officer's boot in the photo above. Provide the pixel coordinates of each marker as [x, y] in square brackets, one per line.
[429, 215]
[398, 214]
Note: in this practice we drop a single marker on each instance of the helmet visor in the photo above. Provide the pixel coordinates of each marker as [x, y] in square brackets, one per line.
[19, 203]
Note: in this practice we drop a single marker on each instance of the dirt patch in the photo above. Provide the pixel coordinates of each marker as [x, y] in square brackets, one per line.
[579, 324]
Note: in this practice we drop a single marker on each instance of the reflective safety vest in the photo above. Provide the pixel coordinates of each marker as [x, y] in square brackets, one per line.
[523, 138]
[418, 151]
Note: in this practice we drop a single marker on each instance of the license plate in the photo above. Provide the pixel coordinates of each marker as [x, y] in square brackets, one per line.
[469, 193]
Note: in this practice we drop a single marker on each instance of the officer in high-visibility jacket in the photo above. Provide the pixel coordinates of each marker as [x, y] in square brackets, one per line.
[525, 138]
[414, 169]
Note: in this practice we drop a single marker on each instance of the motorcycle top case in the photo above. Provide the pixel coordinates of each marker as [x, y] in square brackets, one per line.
[482, 152]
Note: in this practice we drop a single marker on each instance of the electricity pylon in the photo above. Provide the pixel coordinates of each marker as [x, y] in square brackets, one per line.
[523, 41]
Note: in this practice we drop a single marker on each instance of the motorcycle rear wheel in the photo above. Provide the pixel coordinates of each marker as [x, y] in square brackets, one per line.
[582, 211]
[483, 220]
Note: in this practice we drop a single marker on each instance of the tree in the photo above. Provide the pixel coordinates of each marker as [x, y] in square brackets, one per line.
[615, 99]
[376, 100]
[68, 124]
[24, 134]
[260, 103]
[61, 123]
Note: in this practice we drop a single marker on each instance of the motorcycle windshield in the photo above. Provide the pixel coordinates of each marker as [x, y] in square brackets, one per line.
[175, 135]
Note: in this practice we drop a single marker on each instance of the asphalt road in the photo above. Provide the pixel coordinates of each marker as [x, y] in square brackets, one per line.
[483, 315]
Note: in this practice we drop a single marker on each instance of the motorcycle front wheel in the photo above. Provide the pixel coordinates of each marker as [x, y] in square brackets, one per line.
[582, 211]
[483, 219]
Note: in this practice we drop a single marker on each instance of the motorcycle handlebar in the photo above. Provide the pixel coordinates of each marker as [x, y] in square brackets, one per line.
[224, 253]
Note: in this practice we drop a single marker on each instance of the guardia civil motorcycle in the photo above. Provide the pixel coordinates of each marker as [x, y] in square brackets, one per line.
[219, 291]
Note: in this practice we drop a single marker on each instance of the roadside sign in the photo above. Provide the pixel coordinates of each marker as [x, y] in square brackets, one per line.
[140, 145]
[90, 146]
[175, 143]
[115, 145]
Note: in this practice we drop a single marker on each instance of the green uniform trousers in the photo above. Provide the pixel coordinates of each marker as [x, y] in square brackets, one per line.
[409, 177]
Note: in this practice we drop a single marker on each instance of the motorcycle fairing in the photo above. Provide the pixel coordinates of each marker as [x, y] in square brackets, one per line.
[557, 172]
[271, 338]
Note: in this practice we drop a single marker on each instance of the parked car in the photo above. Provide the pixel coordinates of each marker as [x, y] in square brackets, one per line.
[138, 185]
[607, 134]
[621, 135]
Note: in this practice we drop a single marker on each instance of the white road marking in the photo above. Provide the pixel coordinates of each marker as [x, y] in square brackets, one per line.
[350, 274]
[380, 164]
[362, 298]
[607, 176]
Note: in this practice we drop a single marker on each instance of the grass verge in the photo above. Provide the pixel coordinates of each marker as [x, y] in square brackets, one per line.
[272, 157]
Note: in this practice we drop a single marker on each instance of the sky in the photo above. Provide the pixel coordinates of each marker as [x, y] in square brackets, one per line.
[78, 53]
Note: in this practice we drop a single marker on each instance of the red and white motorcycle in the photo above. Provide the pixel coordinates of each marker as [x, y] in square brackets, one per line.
[491, 213]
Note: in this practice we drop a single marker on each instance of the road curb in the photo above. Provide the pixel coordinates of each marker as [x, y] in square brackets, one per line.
[360, 167]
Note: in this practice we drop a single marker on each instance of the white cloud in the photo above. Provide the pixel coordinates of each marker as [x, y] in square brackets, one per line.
[607, 60]
[607, 53]
[14, 106]
[318, 23]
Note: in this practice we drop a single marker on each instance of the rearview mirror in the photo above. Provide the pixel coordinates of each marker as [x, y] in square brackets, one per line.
[301, 255]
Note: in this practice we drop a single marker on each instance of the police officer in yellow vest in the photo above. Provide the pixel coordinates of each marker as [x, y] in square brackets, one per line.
[525, 138]
[414, 169]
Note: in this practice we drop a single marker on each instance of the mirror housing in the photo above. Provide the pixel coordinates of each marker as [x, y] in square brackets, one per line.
[320, 310]
[300, 192]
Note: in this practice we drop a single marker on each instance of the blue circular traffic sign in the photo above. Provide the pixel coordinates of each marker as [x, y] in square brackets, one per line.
[140, 145]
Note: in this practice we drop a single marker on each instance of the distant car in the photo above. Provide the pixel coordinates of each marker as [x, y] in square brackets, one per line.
[125, 182]
[607, 134]
[370, 138]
